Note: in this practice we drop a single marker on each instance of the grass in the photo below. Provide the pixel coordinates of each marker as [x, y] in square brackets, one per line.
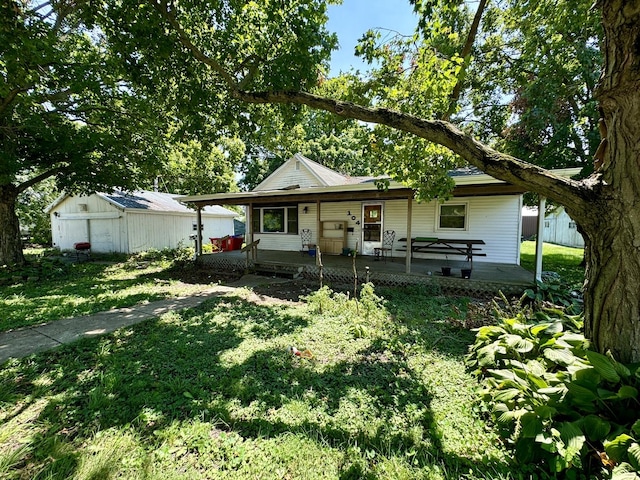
[563, 260]
[212, 392]
[52, 289]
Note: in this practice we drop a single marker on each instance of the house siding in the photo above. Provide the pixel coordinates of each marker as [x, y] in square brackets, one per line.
[494, 219]
[288, 176]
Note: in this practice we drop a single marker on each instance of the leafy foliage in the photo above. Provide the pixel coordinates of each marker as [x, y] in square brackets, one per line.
[556, 292]
[194, 168]
[559, 403]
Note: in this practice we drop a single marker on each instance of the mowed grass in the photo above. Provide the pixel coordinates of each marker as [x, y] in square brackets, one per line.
[555, 258]
[213, 392]
[74, 289]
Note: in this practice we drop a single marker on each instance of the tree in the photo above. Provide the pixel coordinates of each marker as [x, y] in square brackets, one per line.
[341, 145]
[67, 112]
[530, 55]
[30, 208]
[270, 52]
[194, 168]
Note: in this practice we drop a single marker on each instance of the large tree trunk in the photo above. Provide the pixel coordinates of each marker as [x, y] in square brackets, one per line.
[612, 293]
[10, 243]
[612, 290]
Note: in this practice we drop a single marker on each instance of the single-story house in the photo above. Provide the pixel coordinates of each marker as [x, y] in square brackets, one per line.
[132, 222]
[343, 212]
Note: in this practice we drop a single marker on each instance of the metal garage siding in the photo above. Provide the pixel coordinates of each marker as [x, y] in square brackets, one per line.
[158, 230]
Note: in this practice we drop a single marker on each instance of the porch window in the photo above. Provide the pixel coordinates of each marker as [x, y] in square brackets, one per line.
[452, 216]
[275, 220]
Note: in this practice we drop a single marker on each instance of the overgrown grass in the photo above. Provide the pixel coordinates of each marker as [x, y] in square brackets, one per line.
[213, 392]
[563, 260]
[50, 289]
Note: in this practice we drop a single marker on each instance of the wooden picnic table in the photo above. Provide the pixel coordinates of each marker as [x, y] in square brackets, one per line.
[445, 246]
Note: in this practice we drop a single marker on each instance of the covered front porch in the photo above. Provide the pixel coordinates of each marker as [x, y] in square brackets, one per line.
[485, 278]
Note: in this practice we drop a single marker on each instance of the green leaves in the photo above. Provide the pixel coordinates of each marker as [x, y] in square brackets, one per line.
[603, 366]
[559, 403]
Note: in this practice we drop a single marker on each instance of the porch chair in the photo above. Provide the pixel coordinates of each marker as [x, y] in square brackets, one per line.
[388, 236]
[305, 237]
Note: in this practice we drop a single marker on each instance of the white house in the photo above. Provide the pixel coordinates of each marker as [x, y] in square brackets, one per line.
[132, 222]
[345, 212]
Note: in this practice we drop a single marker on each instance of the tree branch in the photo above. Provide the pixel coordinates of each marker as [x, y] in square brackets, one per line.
[466, 56]
[39, 178]
[572, 194]
[161, 8]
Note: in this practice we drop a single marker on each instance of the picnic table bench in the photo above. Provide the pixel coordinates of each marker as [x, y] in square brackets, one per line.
[445, 246]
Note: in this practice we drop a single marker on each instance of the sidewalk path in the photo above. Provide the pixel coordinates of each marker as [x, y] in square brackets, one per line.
[25, 341]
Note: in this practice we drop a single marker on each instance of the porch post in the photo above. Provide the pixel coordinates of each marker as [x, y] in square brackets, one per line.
[318, 223]
[542, 202]
[248, 227]
[199, 232]
[408, 252]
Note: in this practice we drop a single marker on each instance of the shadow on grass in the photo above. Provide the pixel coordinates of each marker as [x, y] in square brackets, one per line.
[226, 362]
[81, 290]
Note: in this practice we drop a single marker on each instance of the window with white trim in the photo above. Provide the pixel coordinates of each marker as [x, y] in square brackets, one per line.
[452, 216]
[275, 219]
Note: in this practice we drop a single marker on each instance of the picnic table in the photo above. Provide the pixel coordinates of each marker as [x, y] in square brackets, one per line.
[445, 246]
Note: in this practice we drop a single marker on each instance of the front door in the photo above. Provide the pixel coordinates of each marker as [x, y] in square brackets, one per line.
[372, 228]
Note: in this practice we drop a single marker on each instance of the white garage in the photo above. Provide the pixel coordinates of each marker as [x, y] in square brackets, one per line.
[129, 222]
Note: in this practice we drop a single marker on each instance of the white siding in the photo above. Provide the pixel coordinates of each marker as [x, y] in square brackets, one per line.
[98, 224]
[287, 175]
[162, 230]
[214, 227]
[562, 230]
[110, 229]
[494, 219]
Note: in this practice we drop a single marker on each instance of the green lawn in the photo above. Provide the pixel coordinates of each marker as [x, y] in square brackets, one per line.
[52, 290]
[556, 258]
[212, 392]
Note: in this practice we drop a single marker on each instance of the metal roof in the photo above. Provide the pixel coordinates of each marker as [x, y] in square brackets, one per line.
[158, 202]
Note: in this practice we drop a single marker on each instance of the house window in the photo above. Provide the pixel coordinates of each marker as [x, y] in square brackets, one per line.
[275, 220]
[546, 224]
[572, 225]
[452, 216]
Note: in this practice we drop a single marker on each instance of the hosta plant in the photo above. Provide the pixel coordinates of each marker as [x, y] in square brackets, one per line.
[559, 404]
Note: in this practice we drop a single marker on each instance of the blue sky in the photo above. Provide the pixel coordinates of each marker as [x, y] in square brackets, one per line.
[354, 17]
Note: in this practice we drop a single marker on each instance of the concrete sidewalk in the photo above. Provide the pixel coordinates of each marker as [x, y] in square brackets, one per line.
[25, 341]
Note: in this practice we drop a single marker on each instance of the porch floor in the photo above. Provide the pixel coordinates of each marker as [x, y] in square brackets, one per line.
[485, 276]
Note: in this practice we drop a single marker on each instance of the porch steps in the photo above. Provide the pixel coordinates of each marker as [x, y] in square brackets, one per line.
[278, 269]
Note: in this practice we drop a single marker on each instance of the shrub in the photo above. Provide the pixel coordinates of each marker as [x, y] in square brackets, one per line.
[554, 292]
[558, 403]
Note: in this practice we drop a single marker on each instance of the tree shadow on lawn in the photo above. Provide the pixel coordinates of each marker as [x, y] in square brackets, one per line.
[226, 362]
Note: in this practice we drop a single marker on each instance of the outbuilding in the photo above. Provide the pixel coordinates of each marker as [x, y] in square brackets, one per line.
[130, 222]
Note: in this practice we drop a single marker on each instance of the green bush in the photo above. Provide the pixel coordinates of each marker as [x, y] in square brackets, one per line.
[554, 292]
[559, 404]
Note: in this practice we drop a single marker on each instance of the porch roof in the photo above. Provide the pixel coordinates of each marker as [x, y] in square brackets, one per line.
[468, 185]
[469, 182]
